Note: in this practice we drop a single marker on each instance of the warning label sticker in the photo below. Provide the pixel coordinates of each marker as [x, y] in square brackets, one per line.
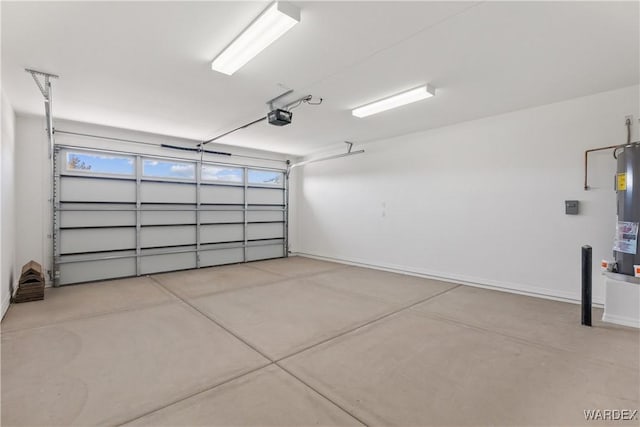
[622, 182]
[626, 240]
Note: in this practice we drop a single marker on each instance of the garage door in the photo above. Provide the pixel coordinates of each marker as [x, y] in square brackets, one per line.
[120, 215]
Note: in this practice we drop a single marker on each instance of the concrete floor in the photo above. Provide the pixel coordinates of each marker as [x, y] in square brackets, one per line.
[301, 342]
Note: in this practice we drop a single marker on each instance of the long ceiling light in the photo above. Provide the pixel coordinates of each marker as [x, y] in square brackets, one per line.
[394, 101]
[276, 20]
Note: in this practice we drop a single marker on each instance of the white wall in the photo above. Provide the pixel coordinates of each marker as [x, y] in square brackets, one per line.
[480, 202]
[8, 270]
[33, 174]
[32, 193]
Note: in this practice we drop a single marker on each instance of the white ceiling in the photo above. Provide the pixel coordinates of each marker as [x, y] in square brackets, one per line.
[146, 65]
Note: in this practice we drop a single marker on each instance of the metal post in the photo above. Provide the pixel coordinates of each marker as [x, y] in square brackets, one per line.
[586, 285]
[246, 213]
[138, 213]
[286, 212]
[198, 207]
[53, 276]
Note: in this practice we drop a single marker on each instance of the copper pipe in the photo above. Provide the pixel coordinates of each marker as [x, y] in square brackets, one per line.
[586, 160]
[627, 123]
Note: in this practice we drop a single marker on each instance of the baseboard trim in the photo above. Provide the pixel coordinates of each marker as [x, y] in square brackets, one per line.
[457, 279]
[621, 320]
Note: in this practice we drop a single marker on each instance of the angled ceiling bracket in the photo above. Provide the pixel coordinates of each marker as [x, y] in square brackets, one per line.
[45, 87]
[350, 144]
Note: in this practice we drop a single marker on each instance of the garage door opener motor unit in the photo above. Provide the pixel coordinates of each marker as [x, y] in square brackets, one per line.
[279, 117]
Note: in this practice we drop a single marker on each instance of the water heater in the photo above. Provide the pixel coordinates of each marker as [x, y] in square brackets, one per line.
[627, 184]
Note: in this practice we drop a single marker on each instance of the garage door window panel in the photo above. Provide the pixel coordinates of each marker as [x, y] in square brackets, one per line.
[267, 178]
[222, 174]
[152, 168]
[78, 162]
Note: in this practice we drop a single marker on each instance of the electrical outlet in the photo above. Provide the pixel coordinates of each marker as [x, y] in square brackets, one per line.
[630, 118]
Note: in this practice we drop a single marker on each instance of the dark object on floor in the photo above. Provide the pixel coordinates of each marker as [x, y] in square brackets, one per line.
[31, 284]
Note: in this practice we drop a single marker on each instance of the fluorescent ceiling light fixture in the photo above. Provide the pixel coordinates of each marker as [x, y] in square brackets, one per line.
[394, 101]
[276, 20]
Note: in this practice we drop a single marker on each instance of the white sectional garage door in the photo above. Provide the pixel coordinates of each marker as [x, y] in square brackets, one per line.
[120, 215]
